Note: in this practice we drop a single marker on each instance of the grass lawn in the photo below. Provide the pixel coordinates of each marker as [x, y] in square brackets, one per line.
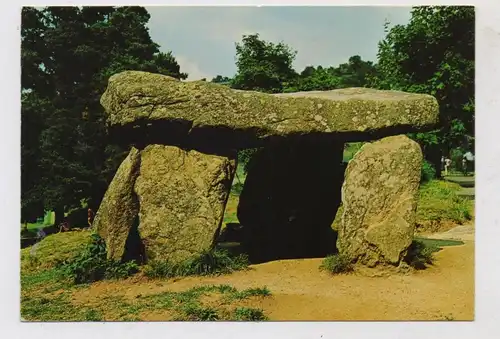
[49, 295]
[438, 242]
[440, 202]
[46, 296]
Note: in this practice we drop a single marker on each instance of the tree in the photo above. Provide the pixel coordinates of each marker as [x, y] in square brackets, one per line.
[434, 54]
[68, 54]
[263, 66]
[219, 79]
[315, 79]
[355, 73]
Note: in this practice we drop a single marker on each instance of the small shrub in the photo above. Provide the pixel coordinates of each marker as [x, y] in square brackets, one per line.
[420, 255]
[92, 264]
[248, 314]
[337, 263]
[215, 261]
[194, 312]
[428, 172]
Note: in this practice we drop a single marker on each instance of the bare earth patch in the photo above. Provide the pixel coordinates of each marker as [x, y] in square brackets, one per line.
[301, 292]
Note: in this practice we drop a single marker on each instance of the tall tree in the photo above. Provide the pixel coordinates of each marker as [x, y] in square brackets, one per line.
[68, 54]
[434, 54]
[263, 66]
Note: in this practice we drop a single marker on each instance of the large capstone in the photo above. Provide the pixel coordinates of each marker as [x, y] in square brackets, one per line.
[154, 108]
[182, 196]
[289, 200]
[117, 215]
[379, 200]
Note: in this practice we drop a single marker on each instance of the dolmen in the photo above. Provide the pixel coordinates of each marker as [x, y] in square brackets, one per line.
[169, 194]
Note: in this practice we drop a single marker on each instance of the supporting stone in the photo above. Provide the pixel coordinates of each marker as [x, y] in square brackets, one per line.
[379, 198]
[289, 200]
[182, 196]
[118, 210]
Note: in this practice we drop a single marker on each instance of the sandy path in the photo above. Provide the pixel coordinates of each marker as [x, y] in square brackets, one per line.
[301, 292]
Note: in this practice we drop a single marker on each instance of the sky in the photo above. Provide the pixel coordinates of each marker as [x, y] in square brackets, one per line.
[203, 38]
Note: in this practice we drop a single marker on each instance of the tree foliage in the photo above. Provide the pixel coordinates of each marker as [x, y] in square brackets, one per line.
[67, 56]
[263, 66]
[434, 54]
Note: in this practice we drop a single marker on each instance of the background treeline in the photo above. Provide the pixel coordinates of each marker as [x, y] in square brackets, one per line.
[68, 54]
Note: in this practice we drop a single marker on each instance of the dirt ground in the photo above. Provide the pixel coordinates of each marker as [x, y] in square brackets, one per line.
[444, 291]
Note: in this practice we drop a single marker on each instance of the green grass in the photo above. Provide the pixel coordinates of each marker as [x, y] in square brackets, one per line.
[189, 305]
[230, 213]
[336, 264]
[251, 292]
[211, 262]
[55, 248]
[47, 296]
[438, 201]
[438, 242]
[249, 314]
[350, 150]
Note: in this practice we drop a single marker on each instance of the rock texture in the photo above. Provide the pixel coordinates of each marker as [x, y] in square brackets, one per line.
[118, 210]
[169, 198]
[209, 112]
[289, 200]
[379, 199]
[182, 196]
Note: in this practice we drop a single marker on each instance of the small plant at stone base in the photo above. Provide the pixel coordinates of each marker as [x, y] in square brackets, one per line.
[419, 255]
[215, 261]
[92, 264]
[337, 263]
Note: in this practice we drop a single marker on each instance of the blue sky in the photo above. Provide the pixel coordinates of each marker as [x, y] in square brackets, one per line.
[203, 38]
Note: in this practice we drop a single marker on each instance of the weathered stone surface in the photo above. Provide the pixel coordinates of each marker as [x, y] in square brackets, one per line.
[182, 196]
[379, 199]
[289, 200]
[211, 112]
[117, 214]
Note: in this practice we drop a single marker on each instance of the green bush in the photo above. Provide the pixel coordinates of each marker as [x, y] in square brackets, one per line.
[337, 263]
[456, 156]
[92, 264]
[420, 255]
[428, 172]
[211, 262]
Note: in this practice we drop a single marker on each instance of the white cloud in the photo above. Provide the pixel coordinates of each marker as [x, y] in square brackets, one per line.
[205, 36]
[192, 69]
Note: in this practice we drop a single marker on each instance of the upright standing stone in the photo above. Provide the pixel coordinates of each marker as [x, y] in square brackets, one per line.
[289, 199]
[182, 195]
[116, 215]
[379, 198]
